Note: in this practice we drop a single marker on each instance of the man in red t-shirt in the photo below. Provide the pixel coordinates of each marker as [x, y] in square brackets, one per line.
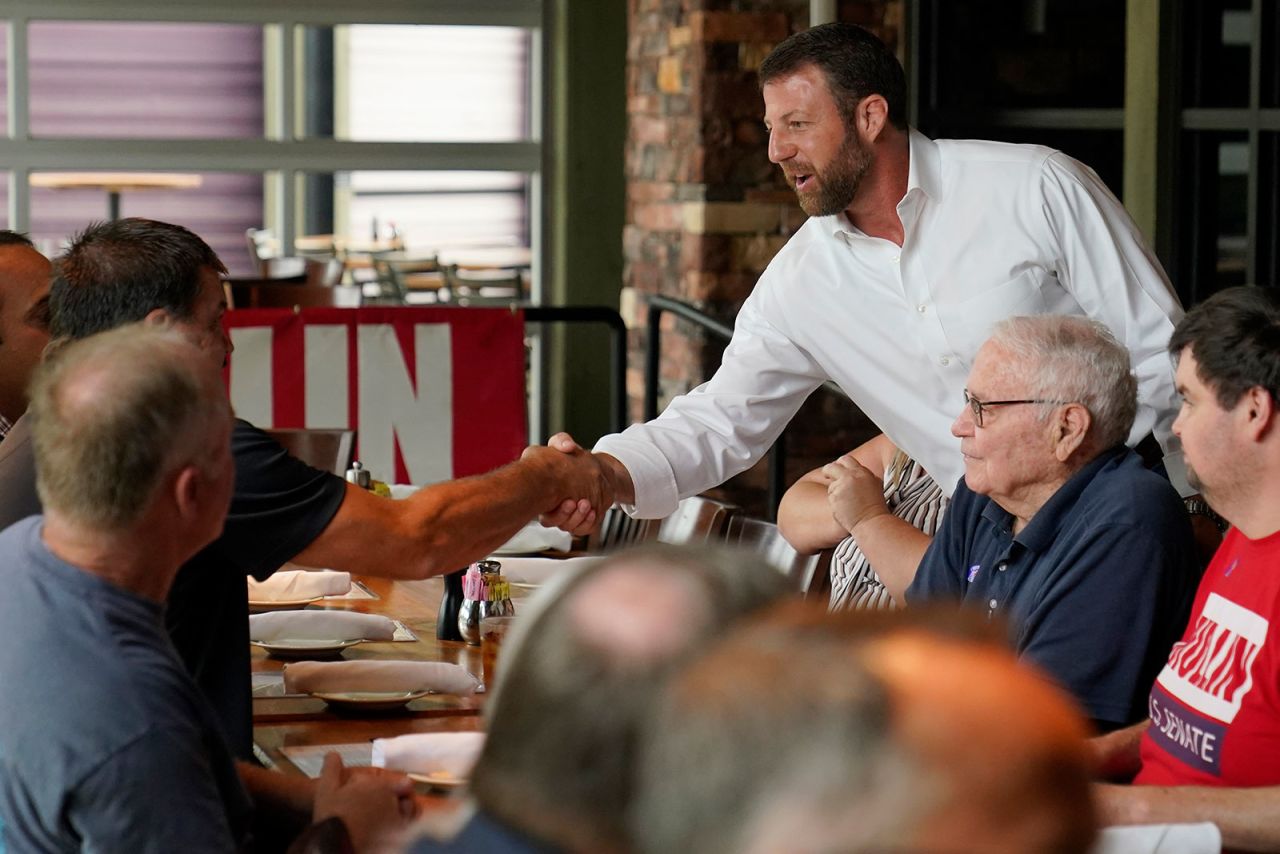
[1210, 750]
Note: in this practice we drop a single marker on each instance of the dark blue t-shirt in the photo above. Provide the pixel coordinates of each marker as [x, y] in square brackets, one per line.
[280, 506]
[1097, 587]
[105, 742]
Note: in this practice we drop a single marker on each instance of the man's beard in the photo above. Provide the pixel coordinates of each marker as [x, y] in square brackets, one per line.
[839, 183]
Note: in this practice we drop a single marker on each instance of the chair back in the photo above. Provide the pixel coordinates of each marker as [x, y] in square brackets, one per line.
[324, 272]
[262, 244]
[477, 287]
[618, 530]
[327, 450]
[697, 520]
[804, 571]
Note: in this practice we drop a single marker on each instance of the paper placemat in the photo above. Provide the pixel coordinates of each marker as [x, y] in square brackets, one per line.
[309, 759]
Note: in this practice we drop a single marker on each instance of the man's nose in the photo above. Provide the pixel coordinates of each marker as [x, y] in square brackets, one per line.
[780, 148]
[963, 425]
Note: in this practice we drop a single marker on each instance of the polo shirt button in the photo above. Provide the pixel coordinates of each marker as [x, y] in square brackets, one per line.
[993, 603]
[944, 361]
[922, 308]
[896, 258]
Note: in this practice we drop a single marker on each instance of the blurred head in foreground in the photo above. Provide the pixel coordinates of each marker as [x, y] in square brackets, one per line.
[559, 760]
[809, 733]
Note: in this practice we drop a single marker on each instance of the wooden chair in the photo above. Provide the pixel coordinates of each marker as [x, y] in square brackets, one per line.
[697, 520]
[410, 284]
[484, 286]
[327, 450]
[805, 572]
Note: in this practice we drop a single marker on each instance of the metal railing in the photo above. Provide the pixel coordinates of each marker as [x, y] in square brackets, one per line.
[617, 346]
[659, 305]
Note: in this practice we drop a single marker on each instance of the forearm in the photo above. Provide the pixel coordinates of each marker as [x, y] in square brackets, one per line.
[894, 549]
[285, 796]
[1115, 755]
[1248, 818]
[804, 518]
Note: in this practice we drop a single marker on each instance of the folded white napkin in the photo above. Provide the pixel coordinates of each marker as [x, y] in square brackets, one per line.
[429, 752]
[536, 537]
[289, 583]
[320, 625]
[536, 570]
[311, 677]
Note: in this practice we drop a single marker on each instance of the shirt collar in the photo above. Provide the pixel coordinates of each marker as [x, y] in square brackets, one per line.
[924, 174]
[1043, 527]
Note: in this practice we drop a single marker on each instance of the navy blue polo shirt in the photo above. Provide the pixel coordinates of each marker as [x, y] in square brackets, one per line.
[1097, 587]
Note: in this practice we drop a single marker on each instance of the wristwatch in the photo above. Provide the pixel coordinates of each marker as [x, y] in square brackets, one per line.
[1197, 506]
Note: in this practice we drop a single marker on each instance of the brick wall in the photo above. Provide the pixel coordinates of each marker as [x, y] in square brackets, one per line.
[706, 210]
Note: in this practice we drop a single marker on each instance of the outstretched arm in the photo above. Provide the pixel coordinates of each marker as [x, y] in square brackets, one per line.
[445, 526]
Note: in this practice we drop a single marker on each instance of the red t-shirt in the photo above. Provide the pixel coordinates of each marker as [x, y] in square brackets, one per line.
[1215, 708]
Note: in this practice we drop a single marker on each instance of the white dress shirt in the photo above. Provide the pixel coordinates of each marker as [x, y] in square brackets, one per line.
[991, 230]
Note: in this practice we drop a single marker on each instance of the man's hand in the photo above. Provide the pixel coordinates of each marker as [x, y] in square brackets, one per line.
[854, 492]
[597, 480]
[375, 807]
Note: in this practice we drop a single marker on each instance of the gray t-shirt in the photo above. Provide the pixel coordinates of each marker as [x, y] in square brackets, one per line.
[105, 742]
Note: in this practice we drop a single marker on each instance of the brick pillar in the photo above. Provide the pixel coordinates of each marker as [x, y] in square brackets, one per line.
[706, 210]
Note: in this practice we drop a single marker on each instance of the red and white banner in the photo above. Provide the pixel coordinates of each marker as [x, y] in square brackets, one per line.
[435, 393]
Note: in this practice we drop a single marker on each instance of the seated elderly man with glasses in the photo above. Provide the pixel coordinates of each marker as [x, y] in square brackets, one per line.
[1056, 526]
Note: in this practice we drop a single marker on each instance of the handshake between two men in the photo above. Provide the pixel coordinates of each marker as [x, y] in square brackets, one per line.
[598, 480]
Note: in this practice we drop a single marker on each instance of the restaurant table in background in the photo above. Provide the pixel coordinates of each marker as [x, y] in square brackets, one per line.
[115, 183]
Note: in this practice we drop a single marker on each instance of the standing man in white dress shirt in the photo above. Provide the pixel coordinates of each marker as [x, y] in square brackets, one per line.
[913, 250]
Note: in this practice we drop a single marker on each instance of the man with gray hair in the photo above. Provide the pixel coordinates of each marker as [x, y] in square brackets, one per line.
[1055, 524]
[105, 742]
[557, 769]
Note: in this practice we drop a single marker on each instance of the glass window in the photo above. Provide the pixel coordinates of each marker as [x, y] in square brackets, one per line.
[170, 81]
[1216, 53]
[1213, 214]
[219, 209]
[1048, 53]
[438, 209]
[401, 83]
[1268, 237]
[1270, 55]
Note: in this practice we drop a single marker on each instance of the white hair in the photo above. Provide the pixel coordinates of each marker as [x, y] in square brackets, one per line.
[1076, 360]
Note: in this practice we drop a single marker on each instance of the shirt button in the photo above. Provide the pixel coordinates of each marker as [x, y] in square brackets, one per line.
[895, 258]
[1001, 566]
[922, 308]
[993, 603]
[944, 361]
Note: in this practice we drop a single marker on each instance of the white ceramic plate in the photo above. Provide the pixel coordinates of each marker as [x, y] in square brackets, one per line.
[299, 648]
[281, 604]
[439, 779]
[368, 701]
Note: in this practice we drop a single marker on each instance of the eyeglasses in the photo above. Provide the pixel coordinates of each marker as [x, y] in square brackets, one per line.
[980, 406]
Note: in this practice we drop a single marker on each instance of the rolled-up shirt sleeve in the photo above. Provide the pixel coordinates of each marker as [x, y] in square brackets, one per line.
[723, 426]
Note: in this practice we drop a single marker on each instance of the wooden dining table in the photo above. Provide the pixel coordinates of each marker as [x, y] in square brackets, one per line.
[303, 721]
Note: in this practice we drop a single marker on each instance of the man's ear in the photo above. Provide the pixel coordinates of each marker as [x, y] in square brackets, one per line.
[188, 491]
[870, 117]
[1069, 427]
[1258, 409]
[158, 317]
